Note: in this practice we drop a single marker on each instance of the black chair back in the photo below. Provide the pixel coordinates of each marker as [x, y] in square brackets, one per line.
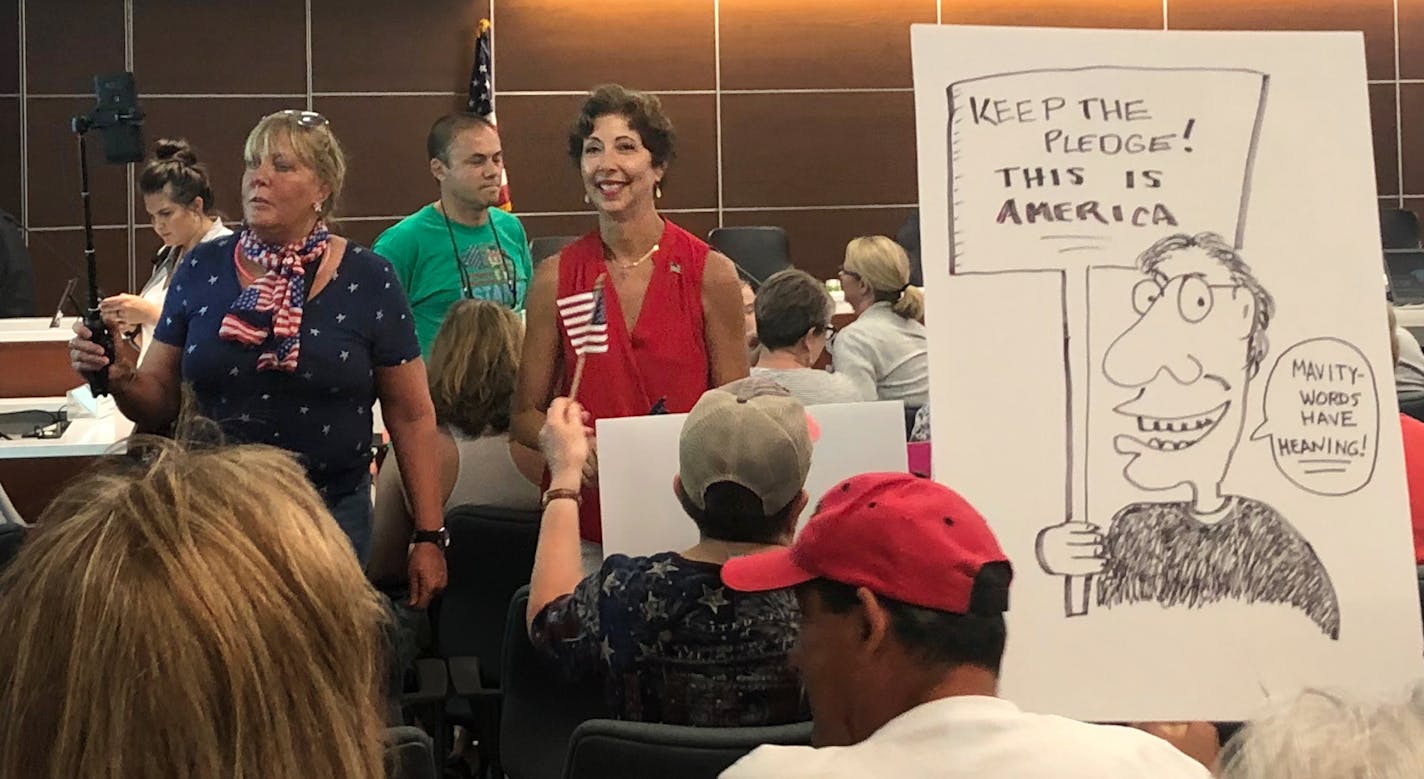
[908, 237]
[410, 754]
[758, 251]
[541, 710]
[491, 555]
[910, 413]
[1412, 406]
[1399, 229]
[643, 750]
[11, 538]
[1420, 570]
[541, 249]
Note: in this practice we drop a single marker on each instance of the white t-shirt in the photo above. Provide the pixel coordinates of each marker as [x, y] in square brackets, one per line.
[980, 737]
[813, 387]
[156, 290]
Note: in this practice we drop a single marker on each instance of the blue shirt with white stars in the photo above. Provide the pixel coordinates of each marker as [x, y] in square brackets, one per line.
[322, 412]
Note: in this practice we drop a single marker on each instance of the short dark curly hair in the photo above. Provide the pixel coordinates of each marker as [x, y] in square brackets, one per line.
[644, 112]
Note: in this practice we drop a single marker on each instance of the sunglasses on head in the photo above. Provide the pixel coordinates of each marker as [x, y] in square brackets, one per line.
[307, 119]
[843, 272]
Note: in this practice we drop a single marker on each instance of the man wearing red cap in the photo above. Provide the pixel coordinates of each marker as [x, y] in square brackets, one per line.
[902, 589]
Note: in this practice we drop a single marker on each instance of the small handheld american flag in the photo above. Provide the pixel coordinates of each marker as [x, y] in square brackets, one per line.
[585, 318]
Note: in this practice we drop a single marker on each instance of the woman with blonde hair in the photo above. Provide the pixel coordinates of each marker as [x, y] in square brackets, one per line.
[190, 614]
[883, 352]
[288, 334]
[473, 364]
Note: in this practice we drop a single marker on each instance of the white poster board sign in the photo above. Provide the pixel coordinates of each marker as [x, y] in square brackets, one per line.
[638, 457]
[1159, 362]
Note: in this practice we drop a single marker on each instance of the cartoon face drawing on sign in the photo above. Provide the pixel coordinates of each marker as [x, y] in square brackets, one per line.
[1189, 358]
[1187, 362]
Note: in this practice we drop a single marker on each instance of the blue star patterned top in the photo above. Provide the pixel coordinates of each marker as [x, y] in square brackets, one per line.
[674, 645]
[359, 322]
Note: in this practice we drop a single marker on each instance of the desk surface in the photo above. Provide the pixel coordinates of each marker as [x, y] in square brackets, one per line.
[85, 436]
[35, 328]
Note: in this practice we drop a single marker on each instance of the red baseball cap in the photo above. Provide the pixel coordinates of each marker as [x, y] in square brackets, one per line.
[897, 534]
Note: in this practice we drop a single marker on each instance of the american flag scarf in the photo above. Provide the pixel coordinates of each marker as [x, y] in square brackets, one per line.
[269, 313]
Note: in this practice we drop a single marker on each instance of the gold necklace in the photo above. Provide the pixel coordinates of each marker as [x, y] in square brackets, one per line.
[630, 265]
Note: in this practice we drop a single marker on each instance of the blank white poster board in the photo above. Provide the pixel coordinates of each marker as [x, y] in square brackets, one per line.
[638, 457]
[1159, 362]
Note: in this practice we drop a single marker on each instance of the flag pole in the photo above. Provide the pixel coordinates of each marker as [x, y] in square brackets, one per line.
[578, 377]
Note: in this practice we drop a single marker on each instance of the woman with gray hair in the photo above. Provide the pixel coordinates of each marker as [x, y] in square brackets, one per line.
[288, 334]
[1318, 735]
[793, 323]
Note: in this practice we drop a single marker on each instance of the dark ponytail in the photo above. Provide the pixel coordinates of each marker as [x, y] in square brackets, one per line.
[175, 170]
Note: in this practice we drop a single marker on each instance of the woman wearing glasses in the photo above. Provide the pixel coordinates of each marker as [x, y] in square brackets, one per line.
[287, 334]
[883, 351]
[793, 322]
[667, 324]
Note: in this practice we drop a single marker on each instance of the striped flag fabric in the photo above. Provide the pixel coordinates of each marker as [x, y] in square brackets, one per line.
[481, 100]
[586, 321]
[256, 319]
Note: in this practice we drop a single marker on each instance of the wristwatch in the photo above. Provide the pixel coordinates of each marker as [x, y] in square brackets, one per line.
[441, 537]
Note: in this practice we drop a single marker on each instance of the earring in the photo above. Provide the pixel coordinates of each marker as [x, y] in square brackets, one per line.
[316, 207]
[586, 198]
[657, 190]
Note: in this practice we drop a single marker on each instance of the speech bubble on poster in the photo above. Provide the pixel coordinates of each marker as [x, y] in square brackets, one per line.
[1322, 416]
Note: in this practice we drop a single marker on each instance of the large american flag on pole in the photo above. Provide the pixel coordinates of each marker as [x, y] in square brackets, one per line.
[586, 321]
[481, 100]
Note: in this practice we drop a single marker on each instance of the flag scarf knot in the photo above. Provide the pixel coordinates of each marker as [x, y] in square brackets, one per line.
[268, 314]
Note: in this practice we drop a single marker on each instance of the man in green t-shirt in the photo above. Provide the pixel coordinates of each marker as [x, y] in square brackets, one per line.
[459, 245]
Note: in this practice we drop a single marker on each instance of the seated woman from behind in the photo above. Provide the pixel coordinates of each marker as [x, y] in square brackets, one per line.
[173, 615]
[883, 352]
[793, 322]
[473, 364]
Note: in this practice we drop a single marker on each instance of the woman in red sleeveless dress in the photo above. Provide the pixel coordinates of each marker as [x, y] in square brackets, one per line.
[672, 305]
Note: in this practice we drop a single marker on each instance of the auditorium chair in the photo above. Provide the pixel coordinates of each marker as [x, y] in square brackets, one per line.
[1399, 229]
[409, 754]
[643, 750]
[541, 709]
[491, 554]
[12, 536]
[541, 249]
[758, 252]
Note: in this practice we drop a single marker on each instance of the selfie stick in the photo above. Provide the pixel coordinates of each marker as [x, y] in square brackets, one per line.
[117, 112]
[98, 331]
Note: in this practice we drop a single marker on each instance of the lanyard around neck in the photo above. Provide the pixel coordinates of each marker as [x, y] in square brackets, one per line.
[505, 262]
